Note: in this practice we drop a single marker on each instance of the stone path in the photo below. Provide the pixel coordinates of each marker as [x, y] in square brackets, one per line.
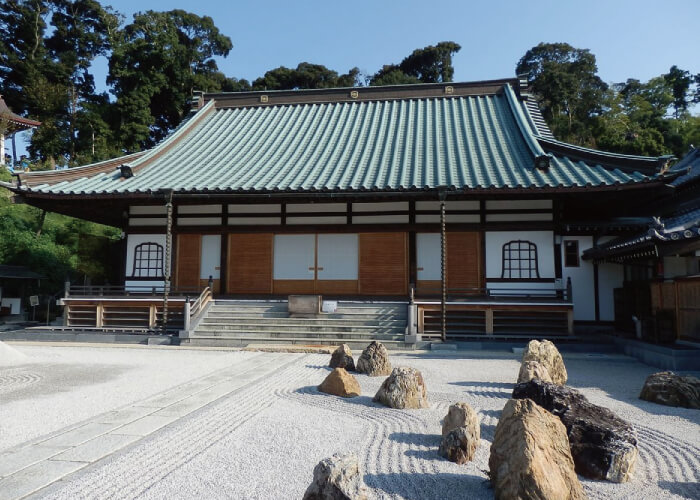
[32, 466]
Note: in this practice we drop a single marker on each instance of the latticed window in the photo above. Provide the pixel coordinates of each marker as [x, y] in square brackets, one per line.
[520, 260]
[148, 260]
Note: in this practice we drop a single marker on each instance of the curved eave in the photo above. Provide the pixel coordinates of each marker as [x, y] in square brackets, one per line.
[412, 190]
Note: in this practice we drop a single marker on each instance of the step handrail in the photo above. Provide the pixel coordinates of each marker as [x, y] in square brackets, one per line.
[194, 309]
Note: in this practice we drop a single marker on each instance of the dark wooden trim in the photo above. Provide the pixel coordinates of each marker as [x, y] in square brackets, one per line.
[520, 280]
[558, 272]
[596, 282]
[283, 214]
[412, 259]
[349, 213]
[149, 216]
[223, 262]
[196, 216]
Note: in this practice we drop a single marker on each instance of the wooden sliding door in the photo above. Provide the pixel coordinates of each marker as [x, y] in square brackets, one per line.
[188, 256]
[383, 264]
[249, 264]
[464, 262]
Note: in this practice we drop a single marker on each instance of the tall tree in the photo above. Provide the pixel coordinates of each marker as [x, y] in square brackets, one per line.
[160, 58]
[305, 76]
[431, 64]
[679, 82]
[569, 90]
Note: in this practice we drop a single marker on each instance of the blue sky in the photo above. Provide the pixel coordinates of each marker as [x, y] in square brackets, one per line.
[630, 39]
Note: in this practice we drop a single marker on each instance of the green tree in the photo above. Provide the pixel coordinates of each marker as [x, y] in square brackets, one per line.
[570, 92]
[156, 63]
[679, 82]
[305, 76]
[431, 64]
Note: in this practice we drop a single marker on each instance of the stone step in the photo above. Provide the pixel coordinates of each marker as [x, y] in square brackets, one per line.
[242, 342]
[233, 320]
[291, 334]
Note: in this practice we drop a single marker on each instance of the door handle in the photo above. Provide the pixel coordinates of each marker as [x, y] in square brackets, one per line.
[419, 269]
[312, 268]
[319, 269]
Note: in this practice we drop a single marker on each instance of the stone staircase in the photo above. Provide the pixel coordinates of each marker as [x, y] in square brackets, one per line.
[240, 322]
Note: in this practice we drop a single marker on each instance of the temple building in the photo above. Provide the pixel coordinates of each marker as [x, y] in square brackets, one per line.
[10, 124]
[454, 199]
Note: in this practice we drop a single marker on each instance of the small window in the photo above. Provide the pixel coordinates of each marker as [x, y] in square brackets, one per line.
[148, 260]
[520, 260]
[571, 258]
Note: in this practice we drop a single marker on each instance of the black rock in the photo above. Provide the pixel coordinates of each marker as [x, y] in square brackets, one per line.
[603, 445]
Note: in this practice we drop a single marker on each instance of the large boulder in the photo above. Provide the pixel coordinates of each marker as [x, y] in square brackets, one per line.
[603, 445]
[460, 434]
[667, 388]
[374, 360]
[342, 358]
[548, 356]
[340, 383]
[337, 478]
[404, 388]
[530, 456]
[533, 369]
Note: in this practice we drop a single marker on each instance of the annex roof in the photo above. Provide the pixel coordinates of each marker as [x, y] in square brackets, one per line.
[461, 136]
[14, 121]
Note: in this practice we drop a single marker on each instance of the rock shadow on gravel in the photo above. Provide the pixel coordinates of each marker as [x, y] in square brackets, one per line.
[312, 390]
[495, 385]
[419, 486]
[689, 490]
[415, 438]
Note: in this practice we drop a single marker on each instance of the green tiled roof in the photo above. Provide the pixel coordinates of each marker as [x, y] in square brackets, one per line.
[462, 142]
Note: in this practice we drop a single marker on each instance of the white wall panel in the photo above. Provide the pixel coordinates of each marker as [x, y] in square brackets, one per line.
[254, 221]
[581, 279]
[380, 219]
[292, 208]
[428, 256]
[340, 219]
[132, 241]
[545, 251]
[293, 256]
[148, 221]
[247, 208]
[517, 217]
[211, 257]
[199, 209]
[338, 256]
[391, 206]
[147, 210]
[199, 221]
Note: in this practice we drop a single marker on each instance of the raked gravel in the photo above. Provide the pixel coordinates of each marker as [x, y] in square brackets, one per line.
[57, 386]
[264, 440]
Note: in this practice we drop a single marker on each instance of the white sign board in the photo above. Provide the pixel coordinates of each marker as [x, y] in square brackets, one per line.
[33, 300]
[329, 306]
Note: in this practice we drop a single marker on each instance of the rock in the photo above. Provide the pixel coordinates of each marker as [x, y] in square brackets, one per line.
[603, 445]
[667, 388]
[342, 358]
[404, 388]
[460, 434]
[337, 478]
[530, 456]
[340, 383]
[374, 360]
[533, 369]
[548, 356]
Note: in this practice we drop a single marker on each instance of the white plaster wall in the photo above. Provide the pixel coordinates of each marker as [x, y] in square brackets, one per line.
[211, 257]
[239, 208]
[517, 204]
[199, 209]
[293, 256]
[136, 239]
[147, 209]
[338, 255]
[316, 207]
[337, 219]
[676, 266]
[581, 280]
[136, 286]
[545, 253]
[610, 276]
[254, 221]
[428, 256]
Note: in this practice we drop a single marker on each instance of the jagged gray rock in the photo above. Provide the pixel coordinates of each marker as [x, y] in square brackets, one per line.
[667, 388]
[460, 434]
[603, 445]
[404, 388]
[530, 456]
[337, 478]
[342, 358]
[533, 369]
[374, 360]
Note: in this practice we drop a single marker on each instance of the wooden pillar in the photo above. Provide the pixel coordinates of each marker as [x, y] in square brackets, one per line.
[489, 321]
[99, 315]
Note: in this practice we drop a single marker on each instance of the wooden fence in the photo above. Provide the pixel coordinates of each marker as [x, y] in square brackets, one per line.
[681, 300]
